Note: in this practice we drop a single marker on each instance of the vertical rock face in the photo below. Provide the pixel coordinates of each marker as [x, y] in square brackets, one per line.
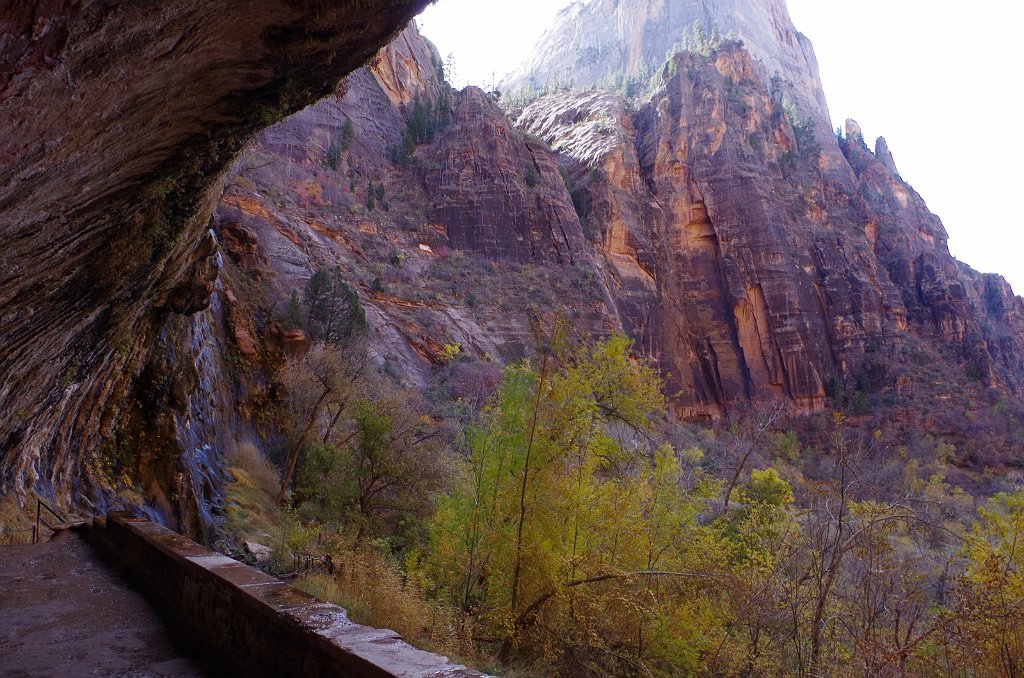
[470, 233]
[748, 270]
[116, 122]
[751, 252]
[710, 223]
[609, 43]
[499, 194]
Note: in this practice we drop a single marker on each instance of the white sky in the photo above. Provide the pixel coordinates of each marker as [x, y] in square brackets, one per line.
[943, 82]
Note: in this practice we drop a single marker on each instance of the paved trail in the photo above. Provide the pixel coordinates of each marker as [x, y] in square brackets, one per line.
[64, 612]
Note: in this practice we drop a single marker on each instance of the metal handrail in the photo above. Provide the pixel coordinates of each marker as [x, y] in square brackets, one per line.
[302, 563]
[40, 505]
[313, 561]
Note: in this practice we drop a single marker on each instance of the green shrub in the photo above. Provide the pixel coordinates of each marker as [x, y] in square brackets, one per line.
[532, 178]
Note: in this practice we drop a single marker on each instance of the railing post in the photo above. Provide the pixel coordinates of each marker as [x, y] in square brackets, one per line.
[35, 530]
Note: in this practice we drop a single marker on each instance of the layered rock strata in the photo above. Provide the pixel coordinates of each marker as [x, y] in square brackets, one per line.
[749, 271]
[462, 239]
[623, 44]
[116, 124]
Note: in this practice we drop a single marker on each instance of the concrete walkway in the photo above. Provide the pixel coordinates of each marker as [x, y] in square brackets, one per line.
[64, 612]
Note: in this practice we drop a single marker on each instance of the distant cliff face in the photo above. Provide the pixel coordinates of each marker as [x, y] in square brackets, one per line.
[116, 123]
[711, 224]
[750, 272]
[608, 43]
[462, 239]
[750, 250]
[498, 193]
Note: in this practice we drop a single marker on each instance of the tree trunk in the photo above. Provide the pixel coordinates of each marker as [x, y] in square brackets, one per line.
[293, 461]
[506, 646]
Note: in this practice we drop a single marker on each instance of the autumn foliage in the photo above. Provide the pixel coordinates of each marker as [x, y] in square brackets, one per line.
[566, 526]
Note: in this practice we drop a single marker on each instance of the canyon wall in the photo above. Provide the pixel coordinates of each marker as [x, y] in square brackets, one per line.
[709, 222]
[117, 122]
[751, 271]
[715, 217]
[464, 239]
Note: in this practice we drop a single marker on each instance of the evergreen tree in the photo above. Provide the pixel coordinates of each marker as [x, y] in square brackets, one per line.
[333, 309]
[293, 314]
[333, 155]
[348, 133]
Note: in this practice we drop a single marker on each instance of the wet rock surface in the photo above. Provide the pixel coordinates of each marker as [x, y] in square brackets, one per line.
[117, 122]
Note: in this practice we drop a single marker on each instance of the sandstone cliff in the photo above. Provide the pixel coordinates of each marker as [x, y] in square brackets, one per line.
[749, 271]
[116, 123]
[621, 44]
[463, 239]
[707, 224]
[491, 189]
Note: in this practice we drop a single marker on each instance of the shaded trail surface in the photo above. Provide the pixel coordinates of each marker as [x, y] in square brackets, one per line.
[66, 612]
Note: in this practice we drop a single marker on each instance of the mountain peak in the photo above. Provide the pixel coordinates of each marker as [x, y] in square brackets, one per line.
[604, 43]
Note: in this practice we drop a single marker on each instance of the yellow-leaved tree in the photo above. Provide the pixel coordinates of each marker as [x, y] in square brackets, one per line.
[981, 629]
[569, 537]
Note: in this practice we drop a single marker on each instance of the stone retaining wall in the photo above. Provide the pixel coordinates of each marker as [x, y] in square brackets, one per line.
[254, 622]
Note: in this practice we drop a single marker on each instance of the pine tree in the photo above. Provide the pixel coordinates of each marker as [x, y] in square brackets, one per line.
[333, 309]
[348, 133]
[293, 314]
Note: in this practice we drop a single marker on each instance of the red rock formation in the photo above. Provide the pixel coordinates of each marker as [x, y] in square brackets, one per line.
[751, 263]
[749, 270]
[116, 122]
[495, 192]
[466, 248]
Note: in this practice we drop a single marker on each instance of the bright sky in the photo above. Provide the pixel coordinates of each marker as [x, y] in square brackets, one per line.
[942, 82]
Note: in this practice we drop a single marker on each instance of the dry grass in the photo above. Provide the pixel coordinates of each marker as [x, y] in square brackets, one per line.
[260, 472]
[376, 593]
[368, 584]
[252, 513]
[15, 523]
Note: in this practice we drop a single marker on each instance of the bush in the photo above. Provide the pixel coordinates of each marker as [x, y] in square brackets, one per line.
[15, 526]
[259, 472]
[375, 592]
